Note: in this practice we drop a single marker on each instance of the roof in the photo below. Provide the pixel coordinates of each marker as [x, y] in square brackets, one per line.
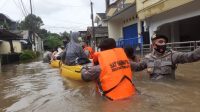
[102, 15]
[7, 35]
[3, 16]
[98, 31]
[112, 12]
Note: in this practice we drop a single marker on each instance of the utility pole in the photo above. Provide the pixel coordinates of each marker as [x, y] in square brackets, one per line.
[31, 7]
[32, 33]
[93, 29]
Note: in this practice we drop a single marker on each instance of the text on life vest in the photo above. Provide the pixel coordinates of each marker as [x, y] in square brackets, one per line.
[121, 64]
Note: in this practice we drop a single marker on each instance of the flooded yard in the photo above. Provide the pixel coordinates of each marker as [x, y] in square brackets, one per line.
[36, 87]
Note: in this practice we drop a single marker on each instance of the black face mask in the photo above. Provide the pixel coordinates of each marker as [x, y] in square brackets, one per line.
[161, 48]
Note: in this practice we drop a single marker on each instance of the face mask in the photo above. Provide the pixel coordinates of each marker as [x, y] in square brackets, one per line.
[161, 48]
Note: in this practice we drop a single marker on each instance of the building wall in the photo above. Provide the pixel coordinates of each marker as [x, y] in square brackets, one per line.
[176, 14]
[115, 29]
[102, 23]
[4, 47]
[123, 19]
[25, 34]
[131, 22]
[17, 46]
[129, 1]
[148, 8]
[39, 44]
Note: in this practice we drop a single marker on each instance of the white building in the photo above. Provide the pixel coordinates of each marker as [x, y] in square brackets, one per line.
[122, 19]
[35, 43]
[179, 20]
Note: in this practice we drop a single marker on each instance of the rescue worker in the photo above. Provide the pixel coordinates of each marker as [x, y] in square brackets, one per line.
[162, 63]
[57, 56]
[54, 52]
[88, 50]
[74, 50]
[112, 74]
[47, 55]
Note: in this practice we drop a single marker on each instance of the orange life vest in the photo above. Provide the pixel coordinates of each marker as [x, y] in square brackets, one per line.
[95, 58]
[90, 51]
[115, 80]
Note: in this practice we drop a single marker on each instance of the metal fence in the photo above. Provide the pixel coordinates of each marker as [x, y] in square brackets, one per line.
[142, 49]
[135, 43]
[129, 42]
[177, 46]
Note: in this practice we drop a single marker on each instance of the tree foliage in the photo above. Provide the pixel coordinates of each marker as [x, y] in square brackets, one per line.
[27, 55]
[51, 40]
[43, 33]
[54, 40]
[31, 22]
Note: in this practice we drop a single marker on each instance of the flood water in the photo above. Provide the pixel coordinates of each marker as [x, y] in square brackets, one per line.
[36, 87]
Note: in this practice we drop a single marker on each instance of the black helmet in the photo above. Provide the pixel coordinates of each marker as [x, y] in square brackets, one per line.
[158, 36]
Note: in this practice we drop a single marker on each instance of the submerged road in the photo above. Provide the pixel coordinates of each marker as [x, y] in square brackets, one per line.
[36, 87]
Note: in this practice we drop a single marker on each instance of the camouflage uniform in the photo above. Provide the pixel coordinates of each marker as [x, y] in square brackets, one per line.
[158, 66]
[164, 66]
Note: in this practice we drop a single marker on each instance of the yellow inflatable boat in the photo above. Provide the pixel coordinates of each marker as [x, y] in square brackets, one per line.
[72, 72]
[55, 63]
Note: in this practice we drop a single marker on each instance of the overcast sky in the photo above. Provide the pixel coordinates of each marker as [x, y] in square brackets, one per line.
[57, 15]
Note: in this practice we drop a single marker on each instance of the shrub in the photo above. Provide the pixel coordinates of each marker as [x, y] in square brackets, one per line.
[27, 55]
[37, 53]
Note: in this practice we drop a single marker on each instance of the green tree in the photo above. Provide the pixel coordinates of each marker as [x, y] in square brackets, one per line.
[31, 22]
[65, 35]
[54, 40]
[43, 33]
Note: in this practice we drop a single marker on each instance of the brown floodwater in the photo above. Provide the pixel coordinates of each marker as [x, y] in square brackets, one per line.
[36, 87]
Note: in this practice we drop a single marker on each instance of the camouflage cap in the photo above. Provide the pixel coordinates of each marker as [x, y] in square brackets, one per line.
[158, 36]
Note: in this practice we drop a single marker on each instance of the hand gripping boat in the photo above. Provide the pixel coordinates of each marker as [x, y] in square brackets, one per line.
[74, 72]
[55, 63]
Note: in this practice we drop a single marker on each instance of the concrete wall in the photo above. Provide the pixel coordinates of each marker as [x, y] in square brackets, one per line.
[17, 46]
[129, 1]
[179, 13]
[39, 44]
[148, 8]
[133, 21]
[4, 47]
[25, 34]
[118, 22]
[115, 29]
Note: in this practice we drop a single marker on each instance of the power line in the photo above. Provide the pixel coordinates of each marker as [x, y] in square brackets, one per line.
[69, 21]
[60, 27]
[19, 7]
[63, 5]
[24, 8]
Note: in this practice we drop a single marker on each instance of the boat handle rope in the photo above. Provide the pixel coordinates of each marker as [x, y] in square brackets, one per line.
[78, 71]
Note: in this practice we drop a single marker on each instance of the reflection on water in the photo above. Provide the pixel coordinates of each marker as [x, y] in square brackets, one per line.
[35, 87]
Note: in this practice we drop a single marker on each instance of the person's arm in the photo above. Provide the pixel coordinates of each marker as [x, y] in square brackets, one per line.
[138, 66]
[181, 57]
[89, 73]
